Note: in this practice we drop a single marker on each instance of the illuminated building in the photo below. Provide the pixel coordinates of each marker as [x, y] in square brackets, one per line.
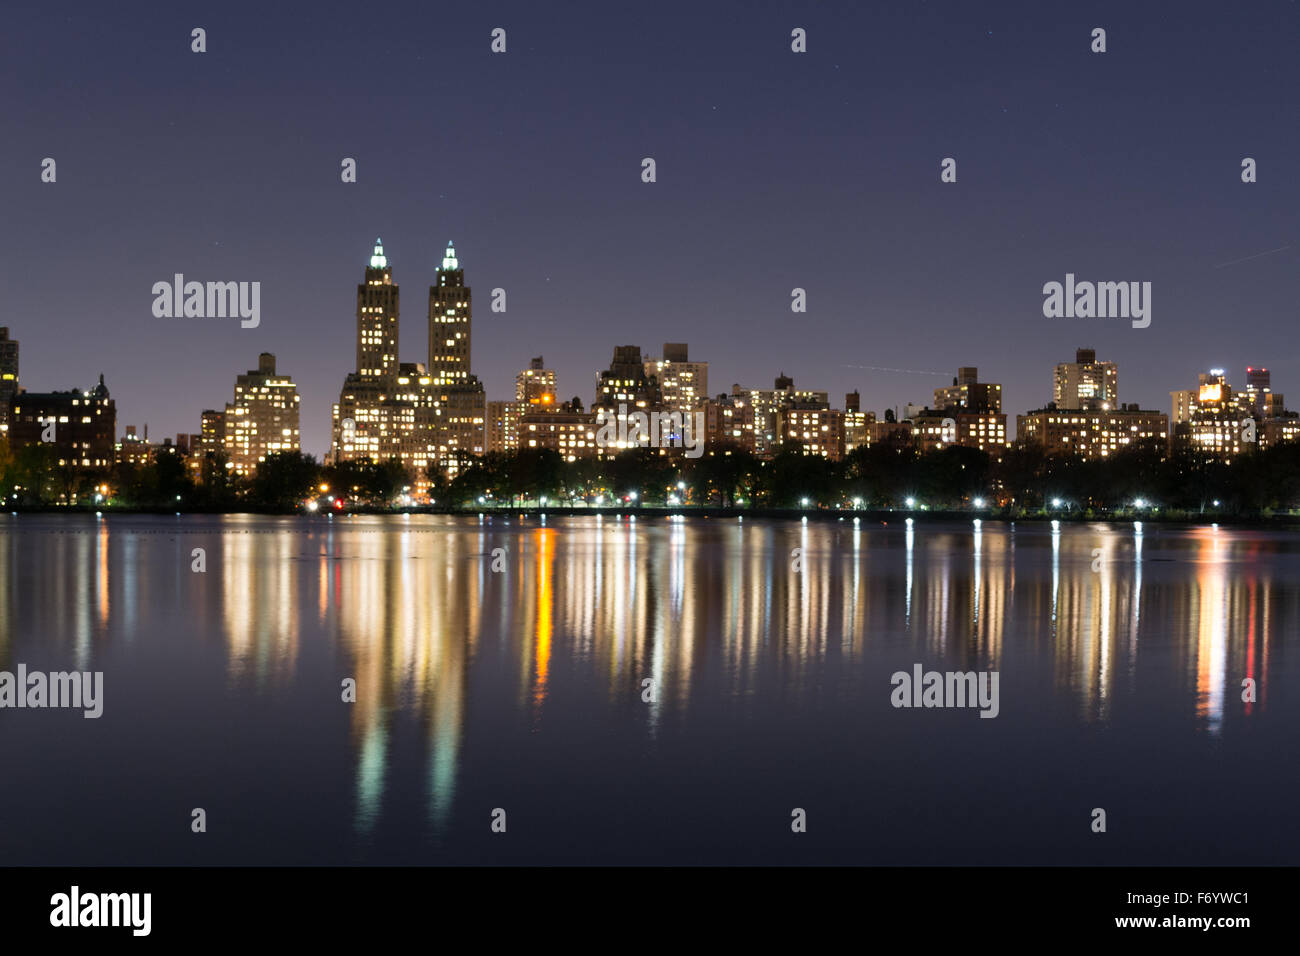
[622, 389]
[729, 420]
[1214, 418]
[934, 429]
[461, 420]
[969, 393]
[377, 321]
[263, 418]
[767, 405]
[857, 423]
[502, 427]
[534, 392]
[1085, 383]
[684, 384]
[85, 425]
[967, 413]
[1091, 433]
[566, 429]
[8, 373]
[811, 429]
[420, 415]
[535, 385]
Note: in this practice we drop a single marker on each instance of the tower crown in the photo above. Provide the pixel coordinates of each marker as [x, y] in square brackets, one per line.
[378, 260]
[449, 262]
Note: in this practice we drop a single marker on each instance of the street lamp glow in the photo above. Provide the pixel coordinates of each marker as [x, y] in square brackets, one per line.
[632, 495]
[979, 502]
[1139, 503]
[803, 502]
[1056, 502]
[910, 502]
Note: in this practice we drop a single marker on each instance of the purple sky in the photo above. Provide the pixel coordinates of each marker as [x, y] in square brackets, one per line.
[775, 170]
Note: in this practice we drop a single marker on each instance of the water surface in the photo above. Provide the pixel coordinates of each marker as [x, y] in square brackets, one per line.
[1120, 688]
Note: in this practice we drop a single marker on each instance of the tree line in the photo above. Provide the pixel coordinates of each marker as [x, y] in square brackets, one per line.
[894, 473]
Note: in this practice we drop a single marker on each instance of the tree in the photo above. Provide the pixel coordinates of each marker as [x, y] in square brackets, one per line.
[283, 480]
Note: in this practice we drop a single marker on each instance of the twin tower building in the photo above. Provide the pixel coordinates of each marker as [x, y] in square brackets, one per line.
[429, 416]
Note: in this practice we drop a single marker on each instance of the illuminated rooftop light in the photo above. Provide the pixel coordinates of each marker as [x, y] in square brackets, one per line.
[378, 260]
[449, 261]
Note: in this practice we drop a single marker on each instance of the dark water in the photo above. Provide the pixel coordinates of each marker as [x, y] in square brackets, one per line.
[1119, 688]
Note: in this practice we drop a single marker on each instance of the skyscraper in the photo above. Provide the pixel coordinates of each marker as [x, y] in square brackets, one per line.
[461, 426]
[263, 418]
[449, 323]
[418, 415]
[377, 321]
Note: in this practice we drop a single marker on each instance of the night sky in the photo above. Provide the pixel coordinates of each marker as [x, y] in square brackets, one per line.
[775, 170]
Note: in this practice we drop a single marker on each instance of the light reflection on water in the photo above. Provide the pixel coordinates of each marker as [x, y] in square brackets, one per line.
[1088, 624]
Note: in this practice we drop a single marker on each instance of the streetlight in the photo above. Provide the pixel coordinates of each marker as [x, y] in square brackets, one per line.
[803, 502]
[1056, 502]
[910, 502]
[979, 502]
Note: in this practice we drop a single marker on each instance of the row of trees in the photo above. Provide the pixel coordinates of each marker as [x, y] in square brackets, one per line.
[32, 477]
[890, 474]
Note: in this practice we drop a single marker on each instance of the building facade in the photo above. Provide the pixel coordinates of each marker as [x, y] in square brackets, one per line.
[84, 425]
[262, 419]
[1085, 383]
[424, 416]
[1091, 433]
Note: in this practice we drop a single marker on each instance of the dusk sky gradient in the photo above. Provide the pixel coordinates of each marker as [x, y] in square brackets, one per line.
[775, 170]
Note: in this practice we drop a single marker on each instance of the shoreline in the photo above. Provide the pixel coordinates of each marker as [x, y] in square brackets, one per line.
[863, 516]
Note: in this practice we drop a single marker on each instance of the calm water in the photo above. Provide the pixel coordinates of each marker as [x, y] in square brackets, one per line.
[1119, 688]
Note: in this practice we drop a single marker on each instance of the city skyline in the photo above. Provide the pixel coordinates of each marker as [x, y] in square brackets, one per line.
[1086, 386]
[225, 166]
